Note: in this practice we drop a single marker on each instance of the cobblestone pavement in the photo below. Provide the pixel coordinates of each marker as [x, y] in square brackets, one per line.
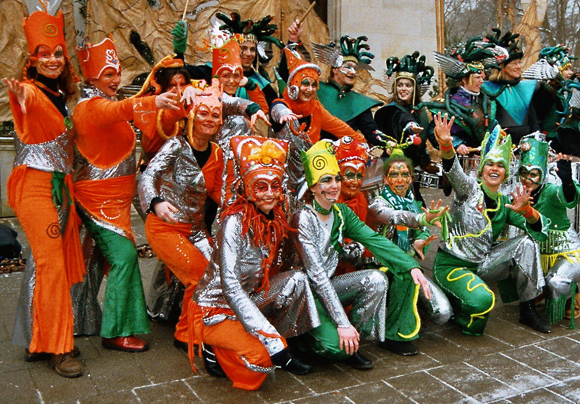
[509, 364]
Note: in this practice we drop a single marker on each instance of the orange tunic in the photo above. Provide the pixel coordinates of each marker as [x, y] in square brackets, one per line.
[56, 251]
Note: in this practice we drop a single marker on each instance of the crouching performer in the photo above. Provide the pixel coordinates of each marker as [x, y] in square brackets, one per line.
[469, 256]
[322, 227]
[243, 309]
[560, 253]
[397, 215]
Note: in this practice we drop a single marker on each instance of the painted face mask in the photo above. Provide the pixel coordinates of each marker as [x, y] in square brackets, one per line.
[399, 179]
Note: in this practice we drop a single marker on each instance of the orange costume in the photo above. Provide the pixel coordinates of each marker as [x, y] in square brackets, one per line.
[173, 175]
[105, 185]
[40, 192]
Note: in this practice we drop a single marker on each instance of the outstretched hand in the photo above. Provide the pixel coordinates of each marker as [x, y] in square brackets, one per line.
[259, 115]
[190, 93]
[435, 212]
[443, 129]
[167, 100]
[17, 88]
[419, 245]
[291, 117]
[420, 279]
[520, 200]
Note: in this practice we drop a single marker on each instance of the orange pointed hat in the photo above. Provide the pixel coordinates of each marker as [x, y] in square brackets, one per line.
[259, 158]
[350, 153]
[226, 57]
[299, 69]
[96, 58]
[41, 28]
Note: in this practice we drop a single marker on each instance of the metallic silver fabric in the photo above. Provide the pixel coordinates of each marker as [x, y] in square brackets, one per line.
[365, 290]
[162, 298]
[517, 258]
[86, 308]
[381, 214]
[54, 155]
[175, 176]
[383, 218]
[566, 269]
[84, 170]
[235, 272]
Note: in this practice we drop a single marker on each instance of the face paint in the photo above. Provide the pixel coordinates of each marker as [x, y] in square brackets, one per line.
[327, 190]
[266, 194]
[207, 122]
[308, 88]
[352, 179]
[230, 80]
[49, 63]
[532, 179]
[399, 179]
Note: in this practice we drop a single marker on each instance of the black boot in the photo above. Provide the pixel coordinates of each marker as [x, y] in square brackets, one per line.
[530, 317]
[359, 361]
[210, 361]
[405, 348]
[285, 361]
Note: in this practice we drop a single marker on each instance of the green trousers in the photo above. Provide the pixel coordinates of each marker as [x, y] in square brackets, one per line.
[124, 308]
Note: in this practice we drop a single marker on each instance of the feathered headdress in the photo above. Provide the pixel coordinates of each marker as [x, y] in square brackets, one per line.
[508, 41]
[350, 49]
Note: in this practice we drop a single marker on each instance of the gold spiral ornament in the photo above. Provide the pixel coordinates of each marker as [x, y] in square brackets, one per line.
[319, 162]
[49, 30]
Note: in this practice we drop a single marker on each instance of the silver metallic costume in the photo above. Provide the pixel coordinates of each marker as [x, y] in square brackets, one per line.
[232, 277]
[383, 218]
[364, 289]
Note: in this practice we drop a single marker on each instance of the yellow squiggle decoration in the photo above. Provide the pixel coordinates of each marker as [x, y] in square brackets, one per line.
[485, 211]
[416, 313]
[548, 260]
[471, 289]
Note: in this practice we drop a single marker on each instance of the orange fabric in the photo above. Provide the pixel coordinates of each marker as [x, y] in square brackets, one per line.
[321, 119]
[172, 246]
[104, 136]
[42, 122]
[358, 204]
[213, 173]
[41, 28]
[257, 95]
[230, 342]
[52, 317]
[152, 139]
[109, 200]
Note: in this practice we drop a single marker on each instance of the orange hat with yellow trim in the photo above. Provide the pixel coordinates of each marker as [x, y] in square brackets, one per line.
[151, 82]
[41, 28]
[259, 158]
[298, 70]
[96, 58]
[226, 57]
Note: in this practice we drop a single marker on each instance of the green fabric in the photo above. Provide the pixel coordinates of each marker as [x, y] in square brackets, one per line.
[515, 100]
[552, 204]
[323, 340]
[124, 309]
[345, 107]
[401, 310]
[472, 300]
[252, 108]
[58, 186]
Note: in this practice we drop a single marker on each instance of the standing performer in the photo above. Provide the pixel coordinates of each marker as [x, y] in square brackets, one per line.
[337, 95]
[105, 185]
[469, 256]
[242, 307]
[40, 190]
[322, 227]
[174, 188]
[560, 252]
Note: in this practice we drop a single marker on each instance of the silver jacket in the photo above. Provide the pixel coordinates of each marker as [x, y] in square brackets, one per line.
[382, 215]
[232, 277]
[175, 176]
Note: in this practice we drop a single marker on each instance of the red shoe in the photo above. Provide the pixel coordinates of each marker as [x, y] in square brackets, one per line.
[126, 344]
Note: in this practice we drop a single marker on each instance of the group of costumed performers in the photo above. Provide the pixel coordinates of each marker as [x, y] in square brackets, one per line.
[243, 309]
[569, 129]
[299, 117]
[470, 255]
[560, 252]
[40, 192]
[322, 226]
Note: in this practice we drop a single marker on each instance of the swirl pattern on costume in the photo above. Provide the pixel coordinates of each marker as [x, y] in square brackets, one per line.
[319, 162]
[49, 30]
[53, 230]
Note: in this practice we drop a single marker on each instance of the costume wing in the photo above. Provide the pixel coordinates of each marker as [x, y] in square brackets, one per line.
[575, 99]
[449, 65]
[541, 70]
[329, 55]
